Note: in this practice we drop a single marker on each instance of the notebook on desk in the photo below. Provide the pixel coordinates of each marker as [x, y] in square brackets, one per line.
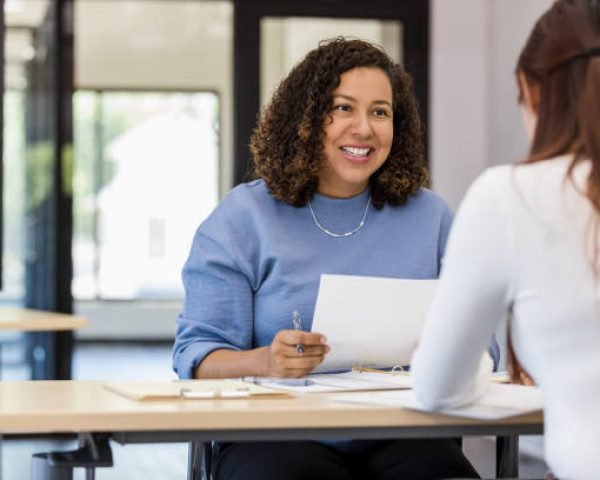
[191, 389]
[370, 321]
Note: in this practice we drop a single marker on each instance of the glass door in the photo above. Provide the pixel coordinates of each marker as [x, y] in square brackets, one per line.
[285, 40]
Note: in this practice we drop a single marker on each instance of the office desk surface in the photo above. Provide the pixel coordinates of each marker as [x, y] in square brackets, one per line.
[87, 406]
[27, 320]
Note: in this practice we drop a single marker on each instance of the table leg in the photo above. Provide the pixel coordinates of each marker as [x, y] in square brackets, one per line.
[195, 460]
[507, 456]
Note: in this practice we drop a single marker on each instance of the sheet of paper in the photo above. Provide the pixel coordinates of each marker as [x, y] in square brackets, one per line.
[370, 321]
[337, 382]
[226, 388]
[499, 401]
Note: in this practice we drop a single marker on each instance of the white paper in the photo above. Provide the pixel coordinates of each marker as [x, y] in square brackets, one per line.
[339, 382]
[371, 321]
[499, 401]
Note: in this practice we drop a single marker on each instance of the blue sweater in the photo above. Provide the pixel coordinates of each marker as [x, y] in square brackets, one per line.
[256, 259]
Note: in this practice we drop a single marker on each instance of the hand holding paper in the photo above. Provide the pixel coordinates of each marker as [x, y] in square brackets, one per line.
[370, 321]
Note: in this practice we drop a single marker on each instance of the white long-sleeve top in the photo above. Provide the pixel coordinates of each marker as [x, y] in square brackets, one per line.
[521, 242]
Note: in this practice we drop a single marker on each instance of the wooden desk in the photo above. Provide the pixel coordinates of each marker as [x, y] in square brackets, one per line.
[80, 406]
[27, 320]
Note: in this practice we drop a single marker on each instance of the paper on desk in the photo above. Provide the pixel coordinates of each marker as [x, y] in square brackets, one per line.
[192, 389]
[499, 401]
[340, 382]
[370, 321]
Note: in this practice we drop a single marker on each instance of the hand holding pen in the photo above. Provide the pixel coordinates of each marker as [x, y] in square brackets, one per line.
[294, 353]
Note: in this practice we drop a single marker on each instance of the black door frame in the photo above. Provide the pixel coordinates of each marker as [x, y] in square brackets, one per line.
[413, 14]
[49, 264]
[2, 34]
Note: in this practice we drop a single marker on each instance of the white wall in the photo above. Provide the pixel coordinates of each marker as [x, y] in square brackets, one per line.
[475, 119]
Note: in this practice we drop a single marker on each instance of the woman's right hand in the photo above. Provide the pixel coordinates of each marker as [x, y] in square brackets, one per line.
[283, 359]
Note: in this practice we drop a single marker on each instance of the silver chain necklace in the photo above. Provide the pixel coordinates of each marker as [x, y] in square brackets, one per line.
[345, 234]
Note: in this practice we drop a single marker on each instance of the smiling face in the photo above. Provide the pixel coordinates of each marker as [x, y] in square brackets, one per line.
[358, 132]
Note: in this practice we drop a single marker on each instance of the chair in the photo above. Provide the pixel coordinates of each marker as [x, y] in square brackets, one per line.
[199, 460]
[94, 452]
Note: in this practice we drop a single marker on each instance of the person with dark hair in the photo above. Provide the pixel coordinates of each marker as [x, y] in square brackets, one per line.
[525, 242]
[341, 189]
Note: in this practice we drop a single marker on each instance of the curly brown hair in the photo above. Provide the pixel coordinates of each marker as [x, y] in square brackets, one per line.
[287, 143]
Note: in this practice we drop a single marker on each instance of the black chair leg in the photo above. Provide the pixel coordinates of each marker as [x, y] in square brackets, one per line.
[195, 452]
[507, 457]
[199, 460]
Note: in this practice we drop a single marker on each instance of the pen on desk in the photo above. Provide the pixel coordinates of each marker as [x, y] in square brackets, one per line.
[274, 381]
[297, 326]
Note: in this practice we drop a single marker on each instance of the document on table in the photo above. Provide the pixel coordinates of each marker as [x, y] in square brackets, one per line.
[190, 389]
[336, 382]
[499, 401]
[370, 321]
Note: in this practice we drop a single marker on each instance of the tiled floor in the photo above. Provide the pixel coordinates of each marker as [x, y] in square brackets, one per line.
[169, 461]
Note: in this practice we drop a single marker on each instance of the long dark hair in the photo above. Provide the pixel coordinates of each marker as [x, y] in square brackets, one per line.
[561, 62]
[561, 58]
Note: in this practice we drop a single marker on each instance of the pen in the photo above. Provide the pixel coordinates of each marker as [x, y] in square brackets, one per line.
[272, 381]
[297, 326]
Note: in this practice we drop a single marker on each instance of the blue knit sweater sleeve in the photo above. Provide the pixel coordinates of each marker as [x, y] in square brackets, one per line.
[219, 298]
[218, 306]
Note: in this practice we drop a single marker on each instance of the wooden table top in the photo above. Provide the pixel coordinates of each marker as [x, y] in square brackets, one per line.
[88, 406]
[27, 320]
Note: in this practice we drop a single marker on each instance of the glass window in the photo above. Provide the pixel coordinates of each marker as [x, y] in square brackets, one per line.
[153, 140]
[146, 175]
[21, 20]
[14, 195]
[152, 136]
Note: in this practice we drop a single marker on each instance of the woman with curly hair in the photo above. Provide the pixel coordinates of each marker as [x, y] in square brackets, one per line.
[341, 190]
[526, 241]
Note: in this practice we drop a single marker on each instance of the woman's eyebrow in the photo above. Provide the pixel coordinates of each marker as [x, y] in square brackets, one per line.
[346, 97]
[352, 99]
[383, 102]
